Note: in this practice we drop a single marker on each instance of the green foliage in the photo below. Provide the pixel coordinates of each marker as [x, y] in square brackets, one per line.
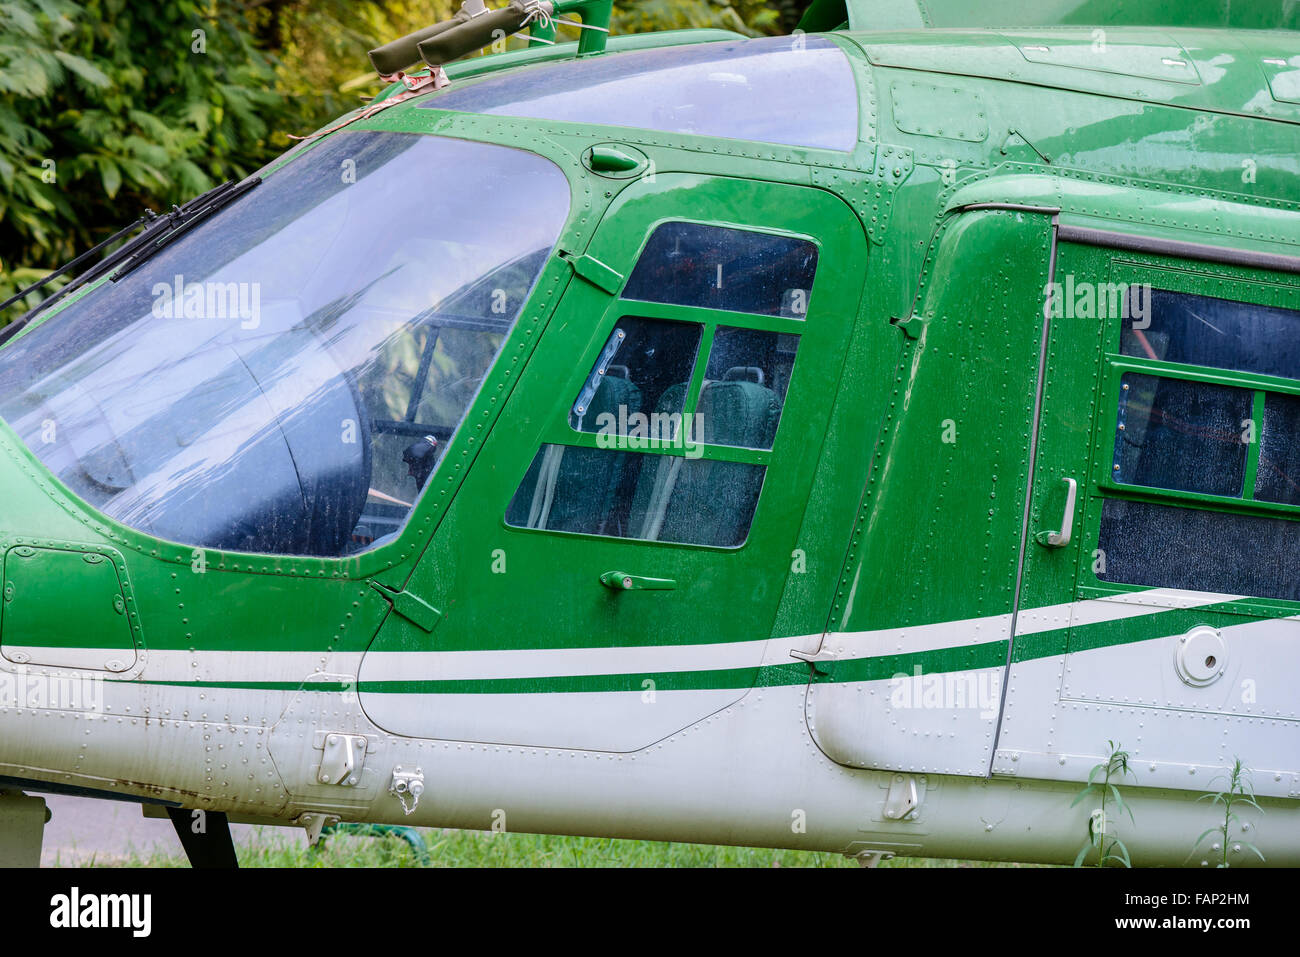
[1110, 850]
[109, 106]
[1238, 790]
[788, 13]
[321, 46]
[285, 847]
[744, 16]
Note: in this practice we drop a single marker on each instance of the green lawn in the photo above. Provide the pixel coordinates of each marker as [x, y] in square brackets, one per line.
[274, 847]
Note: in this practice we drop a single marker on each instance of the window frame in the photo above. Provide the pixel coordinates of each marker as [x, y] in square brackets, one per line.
[559, 431]
[710, 319]
[1243, 284]
[1114, 369]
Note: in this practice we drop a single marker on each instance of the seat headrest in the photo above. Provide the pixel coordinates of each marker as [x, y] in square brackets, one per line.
[743, 374]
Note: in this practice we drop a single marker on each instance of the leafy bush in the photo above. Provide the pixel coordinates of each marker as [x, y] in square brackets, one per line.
[111, 105]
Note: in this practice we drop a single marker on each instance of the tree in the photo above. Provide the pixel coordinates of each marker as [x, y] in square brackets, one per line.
[109, 106]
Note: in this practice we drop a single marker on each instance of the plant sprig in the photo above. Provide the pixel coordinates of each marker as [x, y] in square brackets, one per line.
[1239, 790]
[1112, 851]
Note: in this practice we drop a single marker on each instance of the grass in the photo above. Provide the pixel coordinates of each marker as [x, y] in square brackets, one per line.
[274, 847]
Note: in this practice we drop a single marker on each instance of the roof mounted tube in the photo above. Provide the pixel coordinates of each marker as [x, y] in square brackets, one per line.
[595, 15]
[475, 26]
[477, 32]
[391, 58]
[539, 16]
[543, 15]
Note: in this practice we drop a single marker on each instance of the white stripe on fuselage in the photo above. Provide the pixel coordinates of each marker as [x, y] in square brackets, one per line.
[228, 666]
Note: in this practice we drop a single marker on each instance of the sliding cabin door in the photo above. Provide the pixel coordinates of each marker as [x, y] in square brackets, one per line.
[1161, 585]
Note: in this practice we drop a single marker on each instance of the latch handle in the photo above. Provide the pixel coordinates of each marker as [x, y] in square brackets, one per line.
[590, 268]
[409, 606]
[1062, 538]
[622, 581]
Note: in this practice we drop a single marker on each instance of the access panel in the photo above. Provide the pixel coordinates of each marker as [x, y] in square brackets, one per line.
[68, 605]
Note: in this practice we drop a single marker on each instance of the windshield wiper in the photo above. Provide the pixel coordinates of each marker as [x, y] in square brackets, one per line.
[182, 221]
[73, 264]
[158, 230]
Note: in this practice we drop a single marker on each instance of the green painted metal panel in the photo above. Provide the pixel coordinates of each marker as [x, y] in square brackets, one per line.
[939, 529]
[1206, 70]
[896, 14]
[63, 598]
[930, 110]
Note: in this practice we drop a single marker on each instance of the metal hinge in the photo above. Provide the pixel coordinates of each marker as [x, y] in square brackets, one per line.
[594, 271]
[910, 324]
[343, 756]
[410, 606]
[903, 798]
[822, 661]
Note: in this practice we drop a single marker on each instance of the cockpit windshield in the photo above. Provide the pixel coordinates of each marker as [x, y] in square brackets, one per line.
[285, 378]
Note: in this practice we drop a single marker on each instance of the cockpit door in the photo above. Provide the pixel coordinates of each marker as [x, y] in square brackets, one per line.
[610, 571]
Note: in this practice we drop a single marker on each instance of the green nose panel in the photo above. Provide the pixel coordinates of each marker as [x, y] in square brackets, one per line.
[68, 606]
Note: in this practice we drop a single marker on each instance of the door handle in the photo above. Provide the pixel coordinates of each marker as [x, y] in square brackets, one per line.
[622, 581]
[1062, 538]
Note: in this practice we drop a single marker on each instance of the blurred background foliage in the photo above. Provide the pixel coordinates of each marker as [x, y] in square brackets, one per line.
[108, 107]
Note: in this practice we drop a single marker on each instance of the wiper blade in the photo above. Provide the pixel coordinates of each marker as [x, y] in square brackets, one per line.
[182, 221]
[155, 226]
[71, 265]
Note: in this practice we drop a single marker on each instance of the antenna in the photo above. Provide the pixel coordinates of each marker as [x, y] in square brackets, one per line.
[475, 26]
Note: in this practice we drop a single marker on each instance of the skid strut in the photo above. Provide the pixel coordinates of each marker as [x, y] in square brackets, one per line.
[205, 835]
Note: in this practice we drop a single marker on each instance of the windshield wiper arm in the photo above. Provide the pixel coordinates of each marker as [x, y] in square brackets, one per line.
[154, 226]
[182, 220]
[73, 264]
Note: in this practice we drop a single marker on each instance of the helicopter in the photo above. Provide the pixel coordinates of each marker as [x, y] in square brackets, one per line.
[861, 440]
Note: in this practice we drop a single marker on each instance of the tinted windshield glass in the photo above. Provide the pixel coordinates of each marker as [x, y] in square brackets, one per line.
[285, 378]
[798, 91]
